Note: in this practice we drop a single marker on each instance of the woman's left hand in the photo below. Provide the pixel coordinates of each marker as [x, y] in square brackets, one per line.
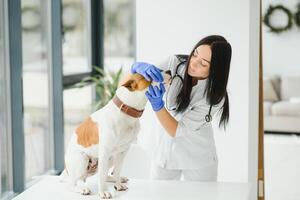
[155, 96]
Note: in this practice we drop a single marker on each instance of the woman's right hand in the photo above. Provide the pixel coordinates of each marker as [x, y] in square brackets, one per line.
[148, 71]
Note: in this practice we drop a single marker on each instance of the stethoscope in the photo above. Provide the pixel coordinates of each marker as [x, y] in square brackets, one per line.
[208, 117]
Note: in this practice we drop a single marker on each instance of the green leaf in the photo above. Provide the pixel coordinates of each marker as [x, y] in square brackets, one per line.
[106, 84]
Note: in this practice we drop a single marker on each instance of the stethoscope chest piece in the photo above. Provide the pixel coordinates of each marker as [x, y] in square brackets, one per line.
[208, 118]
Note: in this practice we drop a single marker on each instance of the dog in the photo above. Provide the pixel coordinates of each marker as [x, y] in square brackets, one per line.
[102, 140]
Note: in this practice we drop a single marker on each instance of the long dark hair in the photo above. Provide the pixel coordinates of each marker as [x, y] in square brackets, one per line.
[216, 84]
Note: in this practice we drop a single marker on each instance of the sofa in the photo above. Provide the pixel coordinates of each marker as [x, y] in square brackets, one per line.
[281, 103]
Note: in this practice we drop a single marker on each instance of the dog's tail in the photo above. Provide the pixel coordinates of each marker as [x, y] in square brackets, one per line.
[63, 176]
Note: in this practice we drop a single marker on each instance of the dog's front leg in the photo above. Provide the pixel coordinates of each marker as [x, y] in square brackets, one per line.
[118, 163]
[104, 154]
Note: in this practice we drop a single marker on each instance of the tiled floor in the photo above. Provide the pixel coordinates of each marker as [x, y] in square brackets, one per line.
[282, 167]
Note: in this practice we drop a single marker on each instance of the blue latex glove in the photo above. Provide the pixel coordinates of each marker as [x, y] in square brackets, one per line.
[149, 71]
[155, 95]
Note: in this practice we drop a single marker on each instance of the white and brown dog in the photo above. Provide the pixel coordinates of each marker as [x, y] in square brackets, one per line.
[103, 139]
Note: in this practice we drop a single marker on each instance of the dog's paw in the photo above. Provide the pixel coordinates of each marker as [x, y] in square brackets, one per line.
[111, 179]
[120, 187]
[105, 195]
[85, 191]
[124, 179]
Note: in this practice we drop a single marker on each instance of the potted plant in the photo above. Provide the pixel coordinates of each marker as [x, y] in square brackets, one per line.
[106, 84]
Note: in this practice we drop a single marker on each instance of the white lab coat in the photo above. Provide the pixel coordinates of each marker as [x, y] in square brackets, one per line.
[193, 147]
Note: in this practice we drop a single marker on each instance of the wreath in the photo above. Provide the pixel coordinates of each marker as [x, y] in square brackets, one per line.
[297, 16]
[279, 29]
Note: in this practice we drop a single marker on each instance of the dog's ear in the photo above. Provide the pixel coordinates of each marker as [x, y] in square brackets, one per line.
[134, 82]
[130, 84]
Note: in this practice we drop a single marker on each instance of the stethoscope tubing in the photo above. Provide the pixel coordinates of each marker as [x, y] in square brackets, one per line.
[208, 117]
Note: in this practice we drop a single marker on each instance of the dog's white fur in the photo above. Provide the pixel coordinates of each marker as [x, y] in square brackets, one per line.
[117, 131]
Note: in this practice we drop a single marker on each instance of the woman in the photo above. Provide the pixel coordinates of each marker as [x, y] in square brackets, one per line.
[198, 90]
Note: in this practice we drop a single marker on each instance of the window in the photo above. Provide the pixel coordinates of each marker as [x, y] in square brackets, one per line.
[75, 36]
[119, 37]
[5, 162]
[38, 149]
[76, 61]
[119, 51]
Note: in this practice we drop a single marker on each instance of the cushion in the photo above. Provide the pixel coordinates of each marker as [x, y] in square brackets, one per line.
[295, 99]
[269, 90]
[286, 108]
[276, 82]
[290, 87]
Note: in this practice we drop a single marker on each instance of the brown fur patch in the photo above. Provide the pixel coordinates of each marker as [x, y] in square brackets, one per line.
[87, 133]
[135, 82]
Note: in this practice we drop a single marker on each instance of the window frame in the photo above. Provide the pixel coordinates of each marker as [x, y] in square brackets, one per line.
[16, 94]
[9, 193]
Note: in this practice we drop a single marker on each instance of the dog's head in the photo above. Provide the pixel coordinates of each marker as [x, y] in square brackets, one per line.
[135, 82]
[132, 90]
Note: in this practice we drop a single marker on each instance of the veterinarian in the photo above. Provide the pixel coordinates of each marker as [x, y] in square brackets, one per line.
[197, 91]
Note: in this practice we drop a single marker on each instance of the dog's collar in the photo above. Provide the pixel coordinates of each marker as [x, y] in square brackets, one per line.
[127, 109]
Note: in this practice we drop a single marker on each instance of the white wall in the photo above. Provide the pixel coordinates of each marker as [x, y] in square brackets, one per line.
[165, 27]
[281, 51]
